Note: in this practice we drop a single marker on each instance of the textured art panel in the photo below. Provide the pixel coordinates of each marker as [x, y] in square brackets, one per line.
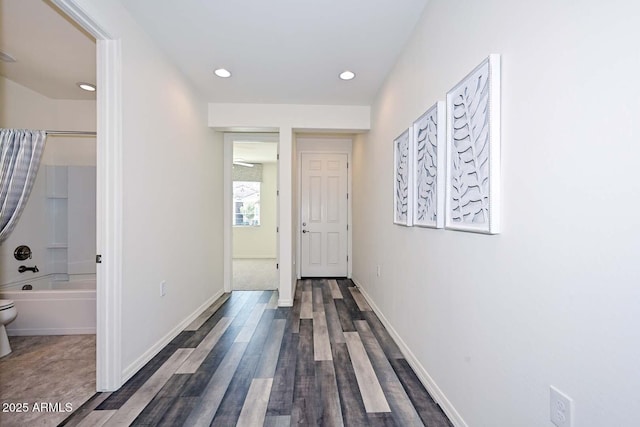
[429, 154]
[402, 155]
[473, 150]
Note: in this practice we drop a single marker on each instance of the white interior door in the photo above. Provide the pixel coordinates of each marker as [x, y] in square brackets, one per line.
[324, 215]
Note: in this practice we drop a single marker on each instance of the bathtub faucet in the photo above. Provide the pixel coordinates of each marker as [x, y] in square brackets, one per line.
[22, 269]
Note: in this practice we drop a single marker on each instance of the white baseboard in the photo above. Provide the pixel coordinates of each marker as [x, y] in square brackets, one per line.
[420, 371]
[289, 301]
[285, 302]
[131, 370]
[25, 332]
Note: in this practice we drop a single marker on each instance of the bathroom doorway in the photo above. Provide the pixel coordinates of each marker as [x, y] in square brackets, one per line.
[40, 75]
[254, 212]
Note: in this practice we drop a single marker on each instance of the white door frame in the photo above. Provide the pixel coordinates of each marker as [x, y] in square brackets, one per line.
[349, 207]
[229, 138]
[108, 199]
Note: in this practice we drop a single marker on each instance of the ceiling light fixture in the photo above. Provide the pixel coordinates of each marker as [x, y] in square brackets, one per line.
[87, 86]
[249, 165]
[222, 72]
[347, 75]
[5, 57]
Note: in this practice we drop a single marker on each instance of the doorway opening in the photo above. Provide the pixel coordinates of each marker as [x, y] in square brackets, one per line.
[324, 205]
[54, 288]
[254, 212]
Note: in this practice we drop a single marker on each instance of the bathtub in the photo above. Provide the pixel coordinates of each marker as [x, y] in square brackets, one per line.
[53, 307]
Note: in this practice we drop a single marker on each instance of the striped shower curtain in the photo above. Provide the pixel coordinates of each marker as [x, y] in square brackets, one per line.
[20, 153]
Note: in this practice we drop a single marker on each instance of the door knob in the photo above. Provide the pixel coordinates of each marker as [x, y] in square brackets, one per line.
[304, 231]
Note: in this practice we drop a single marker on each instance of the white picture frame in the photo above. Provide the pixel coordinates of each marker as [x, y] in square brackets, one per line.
[402, 188]
[473, 151]
[429, 167]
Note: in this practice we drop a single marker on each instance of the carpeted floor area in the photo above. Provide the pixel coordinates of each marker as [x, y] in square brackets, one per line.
[252, 274]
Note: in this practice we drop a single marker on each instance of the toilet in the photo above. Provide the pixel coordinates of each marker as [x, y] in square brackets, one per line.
[8, 313]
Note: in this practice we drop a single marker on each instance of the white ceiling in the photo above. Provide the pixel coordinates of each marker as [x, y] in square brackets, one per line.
[282, 51]
[279, 51]
[52, 53]
[255, 152]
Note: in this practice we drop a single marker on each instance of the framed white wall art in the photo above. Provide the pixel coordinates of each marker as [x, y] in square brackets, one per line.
[428, 167]
[473, 151]
[402, 189]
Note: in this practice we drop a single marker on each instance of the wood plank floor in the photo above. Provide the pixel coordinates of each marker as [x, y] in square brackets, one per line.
[326, 361]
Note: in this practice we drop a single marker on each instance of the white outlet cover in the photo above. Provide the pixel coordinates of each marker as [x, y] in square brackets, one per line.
[560, 408]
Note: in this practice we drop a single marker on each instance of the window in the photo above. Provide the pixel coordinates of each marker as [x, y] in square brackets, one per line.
[246, 203]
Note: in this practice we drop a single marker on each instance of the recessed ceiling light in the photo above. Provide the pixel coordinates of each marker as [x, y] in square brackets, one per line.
[87, 86]
[347, 75]
[222, 72]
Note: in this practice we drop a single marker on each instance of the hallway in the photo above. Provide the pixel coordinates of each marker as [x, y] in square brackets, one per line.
[328, 360]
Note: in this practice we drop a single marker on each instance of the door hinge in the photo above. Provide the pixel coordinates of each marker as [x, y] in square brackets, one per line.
[277, 156]
[98, 259]
[347, 165]
[277, 266]
[347, 226]
[347, 258]
[277, 229]
[277, 192]
[347, 196]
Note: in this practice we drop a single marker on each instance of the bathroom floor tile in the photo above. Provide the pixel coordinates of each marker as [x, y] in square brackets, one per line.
[53, 371]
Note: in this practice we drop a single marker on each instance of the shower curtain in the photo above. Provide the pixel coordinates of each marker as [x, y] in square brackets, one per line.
[20, 153]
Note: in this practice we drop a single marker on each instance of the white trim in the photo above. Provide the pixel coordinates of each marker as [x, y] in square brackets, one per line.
[415, 364]
[108, 199]
[285, 302]
[80, 16]
[227, 204]
[110, 246]
[160, 344]
[288, 302]
[350, 213]
[286, 151]
[51, 331]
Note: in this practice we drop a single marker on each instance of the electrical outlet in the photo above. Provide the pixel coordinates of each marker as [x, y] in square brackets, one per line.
[378, 270]
[561, 407]
[163, 288]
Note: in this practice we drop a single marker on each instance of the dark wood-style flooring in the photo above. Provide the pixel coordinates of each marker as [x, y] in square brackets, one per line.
[326, 361]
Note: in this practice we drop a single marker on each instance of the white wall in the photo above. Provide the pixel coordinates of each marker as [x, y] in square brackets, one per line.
[172, 191]
[260, 242]
[554, 299]
[299, 117]
[24, 108]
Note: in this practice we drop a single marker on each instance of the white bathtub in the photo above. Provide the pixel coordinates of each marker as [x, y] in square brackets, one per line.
[53, 307]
